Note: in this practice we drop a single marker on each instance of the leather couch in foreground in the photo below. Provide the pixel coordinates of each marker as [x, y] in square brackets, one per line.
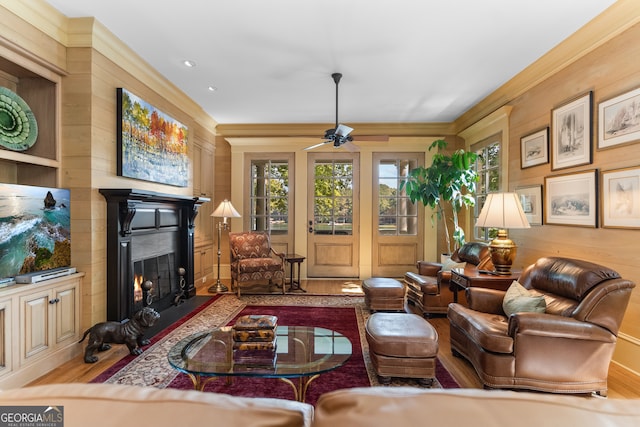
[106, 405]
[412, 407]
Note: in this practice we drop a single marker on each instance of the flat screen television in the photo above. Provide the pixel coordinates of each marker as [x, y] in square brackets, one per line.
[35, 230]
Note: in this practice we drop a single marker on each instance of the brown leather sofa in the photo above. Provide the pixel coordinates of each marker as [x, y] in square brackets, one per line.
[107, 405]
[412, 407]
[565, 349]
[429, 289]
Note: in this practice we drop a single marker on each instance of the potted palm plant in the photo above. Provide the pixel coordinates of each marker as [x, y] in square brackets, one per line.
[450, 181]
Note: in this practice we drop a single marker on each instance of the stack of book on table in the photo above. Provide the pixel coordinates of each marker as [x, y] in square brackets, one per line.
[254, 341]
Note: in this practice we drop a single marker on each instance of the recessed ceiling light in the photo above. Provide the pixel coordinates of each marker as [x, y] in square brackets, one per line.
[189, 63]
[212, 88]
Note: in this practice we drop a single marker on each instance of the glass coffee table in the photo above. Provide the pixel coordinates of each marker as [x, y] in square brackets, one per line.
[303, 353]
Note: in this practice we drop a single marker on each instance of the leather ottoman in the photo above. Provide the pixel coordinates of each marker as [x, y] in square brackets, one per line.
[402, 345]
[383, 294]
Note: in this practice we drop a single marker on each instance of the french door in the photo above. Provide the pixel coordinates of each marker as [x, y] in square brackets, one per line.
[333, 215]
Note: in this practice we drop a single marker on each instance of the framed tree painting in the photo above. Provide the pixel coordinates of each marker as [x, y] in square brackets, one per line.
[534, 149]
[571, 142]
[619, 120]
[571, 199]
[621, 198]
[152, 146]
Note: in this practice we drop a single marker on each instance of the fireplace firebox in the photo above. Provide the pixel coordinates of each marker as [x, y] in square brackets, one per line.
[150, 238]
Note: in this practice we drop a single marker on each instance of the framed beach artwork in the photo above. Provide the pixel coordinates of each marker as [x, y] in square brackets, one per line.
[621, 198]
[534, 149]
[619, 120]
[571, 142]
[531, 200]
[571, 199]
[152, 146]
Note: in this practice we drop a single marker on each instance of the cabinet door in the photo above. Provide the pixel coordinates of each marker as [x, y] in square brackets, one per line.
[67, 321]
[197, 265]
[207, 260]
[6, 348]
[36, 324]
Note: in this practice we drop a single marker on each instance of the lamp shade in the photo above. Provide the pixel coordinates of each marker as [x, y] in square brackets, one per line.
[225, 210]
[502, 210]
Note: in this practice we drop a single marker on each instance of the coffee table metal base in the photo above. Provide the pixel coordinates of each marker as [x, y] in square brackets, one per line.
[299, 389]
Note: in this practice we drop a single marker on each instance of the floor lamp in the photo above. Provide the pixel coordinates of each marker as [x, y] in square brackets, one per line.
[224, 210]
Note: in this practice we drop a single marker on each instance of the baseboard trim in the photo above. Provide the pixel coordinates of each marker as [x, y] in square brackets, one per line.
[627, 353]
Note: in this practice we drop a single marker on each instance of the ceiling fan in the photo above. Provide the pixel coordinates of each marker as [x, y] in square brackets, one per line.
[340, 134]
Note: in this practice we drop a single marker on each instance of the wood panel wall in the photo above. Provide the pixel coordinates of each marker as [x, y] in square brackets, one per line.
[608, 71]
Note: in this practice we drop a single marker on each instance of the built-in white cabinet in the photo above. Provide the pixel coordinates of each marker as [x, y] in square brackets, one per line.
[39, 328]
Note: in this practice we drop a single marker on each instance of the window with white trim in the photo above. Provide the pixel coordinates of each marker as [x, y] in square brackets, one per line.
[488, 167]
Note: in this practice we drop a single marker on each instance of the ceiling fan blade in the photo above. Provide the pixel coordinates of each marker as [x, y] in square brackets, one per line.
[375, 138]
[343, 130]
[350, 146]
[316, 145]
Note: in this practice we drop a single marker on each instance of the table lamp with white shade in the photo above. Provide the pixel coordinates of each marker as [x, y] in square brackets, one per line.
[224, 210]
[502, 211]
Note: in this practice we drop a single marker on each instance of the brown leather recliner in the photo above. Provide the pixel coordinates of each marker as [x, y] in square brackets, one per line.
[566, 349]
[429, 289]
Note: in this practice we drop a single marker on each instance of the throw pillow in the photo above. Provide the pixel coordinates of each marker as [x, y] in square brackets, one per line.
[520, 299]
[448, 264]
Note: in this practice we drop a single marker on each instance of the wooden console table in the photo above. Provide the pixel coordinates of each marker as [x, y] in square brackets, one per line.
[463, 278]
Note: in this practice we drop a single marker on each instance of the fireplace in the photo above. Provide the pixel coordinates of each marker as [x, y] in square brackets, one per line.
[149, 250]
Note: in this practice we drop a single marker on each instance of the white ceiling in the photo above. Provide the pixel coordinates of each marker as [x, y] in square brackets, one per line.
[402, 60]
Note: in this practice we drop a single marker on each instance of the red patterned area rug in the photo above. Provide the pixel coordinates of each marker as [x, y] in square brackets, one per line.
[345, 314]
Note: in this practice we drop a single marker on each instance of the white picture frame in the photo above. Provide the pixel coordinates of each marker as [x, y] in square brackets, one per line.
[571, 142]
[534, 149]
[618, 121]
[531, 201]
[621, 198]
[571, 199]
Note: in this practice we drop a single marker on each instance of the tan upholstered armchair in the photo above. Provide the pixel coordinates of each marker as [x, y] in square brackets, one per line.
[567, 348]
[429, 289]
[254, 260]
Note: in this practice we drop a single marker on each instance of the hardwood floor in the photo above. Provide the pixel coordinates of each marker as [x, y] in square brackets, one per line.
[622, 383]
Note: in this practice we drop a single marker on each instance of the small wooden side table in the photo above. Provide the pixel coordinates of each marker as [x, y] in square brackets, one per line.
[294, 259]
[463, 278]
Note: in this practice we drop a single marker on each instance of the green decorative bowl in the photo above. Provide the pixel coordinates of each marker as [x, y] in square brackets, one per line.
[18, 126]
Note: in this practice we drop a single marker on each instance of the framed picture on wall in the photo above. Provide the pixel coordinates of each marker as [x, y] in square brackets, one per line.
[619, 120]
[531, 201]
[571, 142]
[571, 199]
[152, 146]
[621, 198]
[534, 149]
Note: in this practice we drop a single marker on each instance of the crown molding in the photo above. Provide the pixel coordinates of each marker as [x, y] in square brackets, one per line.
[90, 33]
[316, 130]
[619, 17]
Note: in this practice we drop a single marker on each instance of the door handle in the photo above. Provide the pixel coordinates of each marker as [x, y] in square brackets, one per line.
[310, 226]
